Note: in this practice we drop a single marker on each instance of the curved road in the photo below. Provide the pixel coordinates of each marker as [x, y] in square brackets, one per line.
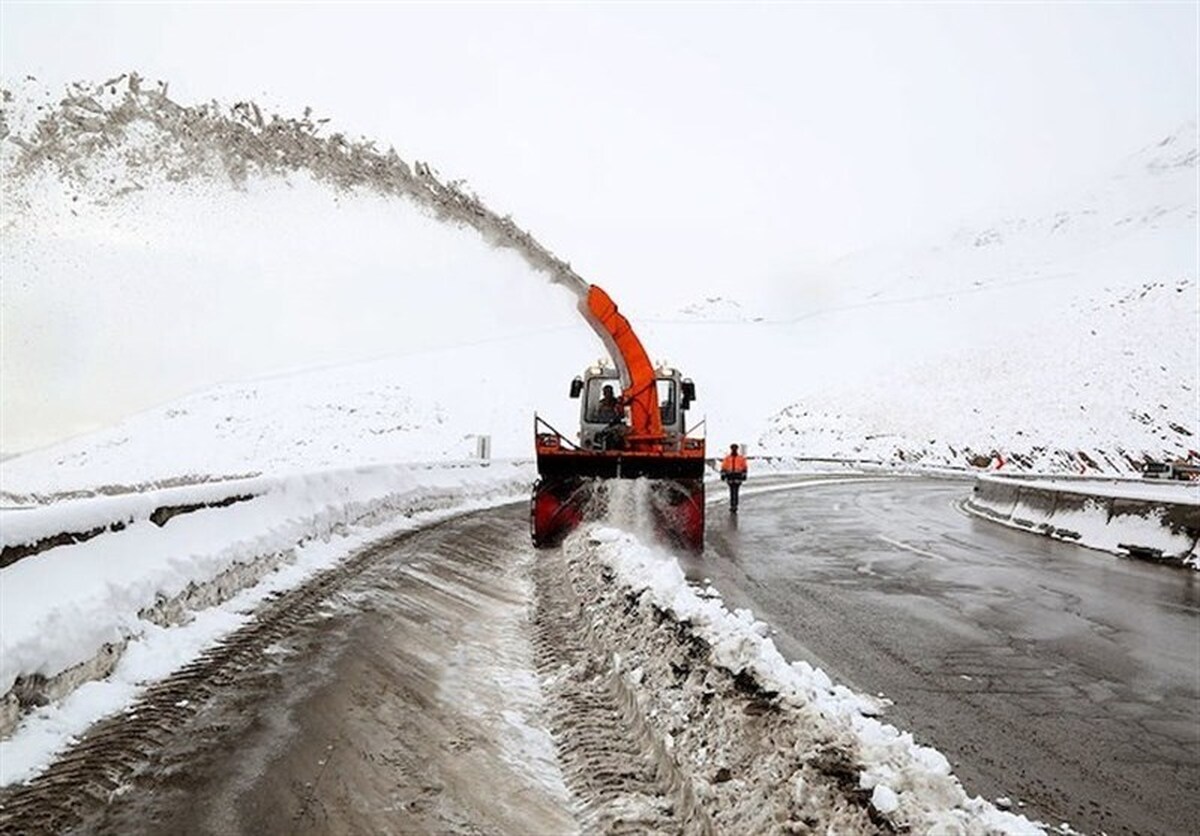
[1065, 679]
[397, 692]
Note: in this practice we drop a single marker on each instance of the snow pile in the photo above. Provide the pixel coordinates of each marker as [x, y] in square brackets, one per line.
[818, 731]
[1155, 520]
[113, 588]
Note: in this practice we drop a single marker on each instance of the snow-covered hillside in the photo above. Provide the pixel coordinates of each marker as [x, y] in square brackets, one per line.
[423, 408]
[1041, 336]
[1098, 383]
[1059, 338]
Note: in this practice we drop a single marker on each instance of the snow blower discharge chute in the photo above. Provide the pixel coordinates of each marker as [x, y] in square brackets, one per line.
[632, 426]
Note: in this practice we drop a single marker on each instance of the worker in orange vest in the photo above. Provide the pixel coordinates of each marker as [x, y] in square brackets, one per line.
[733, 473]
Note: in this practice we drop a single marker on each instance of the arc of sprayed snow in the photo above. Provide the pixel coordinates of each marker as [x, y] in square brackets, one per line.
[91, 118]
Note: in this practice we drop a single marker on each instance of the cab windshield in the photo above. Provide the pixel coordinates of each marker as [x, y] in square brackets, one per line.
[602, 406]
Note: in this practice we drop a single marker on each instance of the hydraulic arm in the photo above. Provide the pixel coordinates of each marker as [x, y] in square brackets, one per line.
[631, 361]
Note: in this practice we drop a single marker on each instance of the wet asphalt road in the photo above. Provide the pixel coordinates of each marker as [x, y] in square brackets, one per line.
[1065, 679]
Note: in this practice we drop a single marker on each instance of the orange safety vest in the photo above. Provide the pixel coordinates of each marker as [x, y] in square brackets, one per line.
[733, 464]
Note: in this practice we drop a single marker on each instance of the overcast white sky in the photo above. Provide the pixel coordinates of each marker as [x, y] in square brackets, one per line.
[671, 150]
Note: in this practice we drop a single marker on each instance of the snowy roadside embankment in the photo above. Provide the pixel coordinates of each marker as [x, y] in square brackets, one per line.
[1159, 520]
[30, 529]
[768, 744]
[48, 522]
[113, 588]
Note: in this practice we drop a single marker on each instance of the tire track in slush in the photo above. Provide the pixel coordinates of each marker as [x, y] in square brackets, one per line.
[615, 765]
[105, 762]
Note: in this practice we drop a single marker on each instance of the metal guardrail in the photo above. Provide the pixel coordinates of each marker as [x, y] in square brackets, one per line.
[1024, 504]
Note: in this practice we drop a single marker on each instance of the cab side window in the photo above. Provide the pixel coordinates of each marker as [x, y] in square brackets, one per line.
[666, 400]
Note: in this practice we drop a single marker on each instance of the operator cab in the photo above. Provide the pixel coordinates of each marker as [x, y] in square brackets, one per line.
[603, 421]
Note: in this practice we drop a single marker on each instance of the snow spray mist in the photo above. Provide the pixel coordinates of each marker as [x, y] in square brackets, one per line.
[630, 507]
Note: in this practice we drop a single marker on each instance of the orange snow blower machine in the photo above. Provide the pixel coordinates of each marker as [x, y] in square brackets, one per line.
[640, 433]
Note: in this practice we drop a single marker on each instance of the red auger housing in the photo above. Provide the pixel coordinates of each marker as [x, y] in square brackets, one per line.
[640, 434]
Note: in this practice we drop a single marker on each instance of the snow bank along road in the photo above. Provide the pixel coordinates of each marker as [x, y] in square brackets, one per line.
[1062, 677]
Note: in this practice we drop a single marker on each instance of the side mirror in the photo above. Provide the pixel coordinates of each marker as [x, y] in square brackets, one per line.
[576, 387]
[689, 393]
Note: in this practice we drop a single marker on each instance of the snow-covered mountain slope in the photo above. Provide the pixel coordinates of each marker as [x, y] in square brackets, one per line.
[426, 407]
[1057, 338]
[1136, 224]
[165, 250]
[1102, 382]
